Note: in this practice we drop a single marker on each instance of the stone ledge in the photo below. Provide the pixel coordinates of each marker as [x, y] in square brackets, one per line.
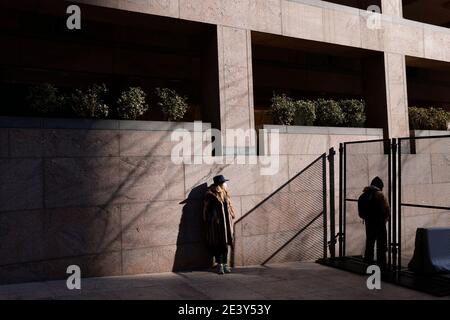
[20, 122]
[328, 5]
[428, 133]
[325, 130]
[94, 124]
[385, 17]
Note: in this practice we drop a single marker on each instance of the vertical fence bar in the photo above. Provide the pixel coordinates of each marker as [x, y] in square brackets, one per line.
[341, 181]
[399, 201]
[344, 203]
[394, 203]
[324, 188]
[389, 151]
[331, 155]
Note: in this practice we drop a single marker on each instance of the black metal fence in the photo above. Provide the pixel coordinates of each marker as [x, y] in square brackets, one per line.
[292, 223]
[360, 161]
[288, 225]
[416, 172]
[423, 189]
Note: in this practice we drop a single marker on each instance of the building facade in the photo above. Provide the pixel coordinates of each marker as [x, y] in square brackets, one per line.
[400, 41]
[105, 194]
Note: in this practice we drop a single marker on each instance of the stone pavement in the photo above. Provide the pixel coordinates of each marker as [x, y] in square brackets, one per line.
[297, 280]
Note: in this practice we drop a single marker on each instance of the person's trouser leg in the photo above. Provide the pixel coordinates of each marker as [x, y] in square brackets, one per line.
[381, 246]
[221, 258]
[370, 243]
[216, 254]
[224, 254]
[221, 254]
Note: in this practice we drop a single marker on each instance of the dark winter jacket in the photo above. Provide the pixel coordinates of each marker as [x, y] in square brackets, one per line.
[381, 211]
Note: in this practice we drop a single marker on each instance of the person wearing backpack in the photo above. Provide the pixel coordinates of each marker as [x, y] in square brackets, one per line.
[374, 209]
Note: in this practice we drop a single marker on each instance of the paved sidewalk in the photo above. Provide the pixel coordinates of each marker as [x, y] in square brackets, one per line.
[277, 281]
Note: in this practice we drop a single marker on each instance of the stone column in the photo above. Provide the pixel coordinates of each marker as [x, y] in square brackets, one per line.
[236, 85]
[396, 95]
[396, 88]
[392, 7]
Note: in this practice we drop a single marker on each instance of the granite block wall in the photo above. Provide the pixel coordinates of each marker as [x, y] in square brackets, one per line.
[106, 196]
[425, 181]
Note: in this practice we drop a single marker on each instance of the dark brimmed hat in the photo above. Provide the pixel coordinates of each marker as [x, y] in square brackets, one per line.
[219, 179]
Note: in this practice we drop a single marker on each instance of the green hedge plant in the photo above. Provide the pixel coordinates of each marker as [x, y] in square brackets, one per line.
[131, 104]
[328, 113]
[428, 118]
[305, 113]
[354, 112]
[439, 118]
[173, 105]
[90, 103]
[45, 99]
[283, 109]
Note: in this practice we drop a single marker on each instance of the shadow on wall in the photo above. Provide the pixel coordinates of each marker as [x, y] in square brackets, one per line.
[192, 252]
[287, 225]
[98, 199]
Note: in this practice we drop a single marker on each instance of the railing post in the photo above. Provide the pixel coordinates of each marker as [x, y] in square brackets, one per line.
[344, 202]
[394, 204]
[341, 182]
[332, 243]
[388, 149]
[399, 202]
[324, 187]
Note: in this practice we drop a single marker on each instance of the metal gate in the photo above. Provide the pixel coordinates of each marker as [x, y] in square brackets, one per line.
[399, 162]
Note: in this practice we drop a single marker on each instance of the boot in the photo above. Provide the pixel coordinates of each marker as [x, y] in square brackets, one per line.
[221, 270]
[226, 268]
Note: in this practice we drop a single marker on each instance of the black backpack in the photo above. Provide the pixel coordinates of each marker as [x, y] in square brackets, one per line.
[366, 204]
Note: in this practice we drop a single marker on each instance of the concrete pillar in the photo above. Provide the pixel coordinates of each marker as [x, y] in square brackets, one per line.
[396, 88]
[236, 85]
[396, 95]
[392, 7]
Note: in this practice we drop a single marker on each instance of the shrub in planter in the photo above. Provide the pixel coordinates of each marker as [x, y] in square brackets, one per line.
[328, 113]
[305, 113]
[44, 99]
[173, 105]
[439, 118]
[354, 112]
[428, 118]
[417, 118]
[90, 103]
[283, 109]
[131, 104]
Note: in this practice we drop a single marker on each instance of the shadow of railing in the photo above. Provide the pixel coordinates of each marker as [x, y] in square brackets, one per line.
[286, 225]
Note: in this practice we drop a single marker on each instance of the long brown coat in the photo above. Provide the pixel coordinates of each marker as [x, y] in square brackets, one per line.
[218, 215]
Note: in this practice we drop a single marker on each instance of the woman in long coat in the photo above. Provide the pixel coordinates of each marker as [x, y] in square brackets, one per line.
[218, 215]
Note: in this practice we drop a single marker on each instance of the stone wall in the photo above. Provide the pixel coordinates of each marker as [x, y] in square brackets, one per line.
[100, 194]
[425, 181]
[304, 144]
[105, 195]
